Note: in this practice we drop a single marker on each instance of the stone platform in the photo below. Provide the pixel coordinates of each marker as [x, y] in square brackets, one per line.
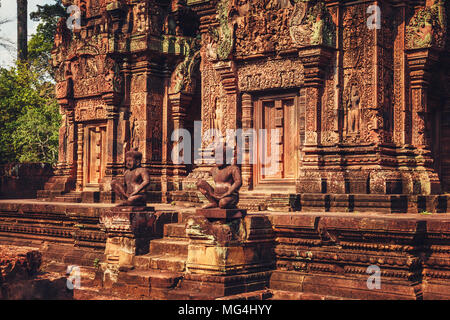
[327, 202]
[300, 255]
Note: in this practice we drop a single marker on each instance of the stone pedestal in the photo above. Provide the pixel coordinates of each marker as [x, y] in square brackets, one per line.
[129, 231]
[223, 215]
[226, 245]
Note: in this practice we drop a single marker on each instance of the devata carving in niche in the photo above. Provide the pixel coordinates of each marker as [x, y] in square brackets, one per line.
[353, 111]
[218, 114]
[113, 79]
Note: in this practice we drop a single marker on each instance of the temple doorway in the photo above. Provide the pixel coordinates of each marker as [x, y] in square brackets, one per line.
[276, 123]
[94, 161]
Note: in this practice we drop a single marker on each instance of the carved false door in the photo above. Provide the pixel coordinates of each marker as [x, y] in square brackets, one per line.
[278, 142]
[95, 156]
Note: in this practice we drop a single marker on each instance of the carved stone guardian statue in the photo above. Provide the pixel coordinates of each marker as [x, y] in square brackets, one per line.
[136, 179]
[228, 181]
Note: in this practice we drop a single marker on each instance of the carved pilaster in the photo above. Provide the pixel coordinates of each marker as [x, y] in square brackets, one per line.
[112, 115]
[79, 183]
[314, 61]
[179, 103]
[420, 62]
[247, 124]
[227, 72]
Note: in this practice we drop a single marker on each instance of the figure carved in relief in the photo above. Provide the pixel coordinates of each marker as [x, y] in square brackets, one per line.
[311, 24]
[318, 25]
[221, 40]
[135, 134]
[62, 35]
[227, 179]
[140, 19]
[183, 76]
[211, 48]
[63, 136]
[427, 27]
[113, 81]
[136, 179]
[218, 116]
[64, 89]
[353, 111]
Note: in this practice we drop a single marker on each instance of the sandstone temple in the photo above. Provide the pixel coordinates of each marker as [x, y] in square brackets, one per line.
[358, 93]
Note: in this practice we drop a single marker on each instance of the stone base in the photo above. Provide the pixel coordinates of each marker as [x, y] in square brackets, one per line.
[320, 202]
[222, 247]
[336, 254]
[346, 286]
[221, 214]
[213, 286]
[129, 231]
[369, 181]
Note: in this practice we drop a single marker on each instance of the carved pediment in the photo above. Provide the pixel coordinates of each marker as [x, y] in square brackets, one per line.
[265, 26]
[427, 28]
[311, 24]
[183, 76]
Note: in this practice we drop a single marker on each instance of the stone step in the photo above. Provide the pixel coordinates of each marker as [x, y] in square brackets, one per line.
[169, 246]
[150, 278]
[265, 294]
[184, 215]
[187, 295]
[165, 262]
[89, 293]
[69, 197]
[168, 262]
[175, 230]
[288, 295]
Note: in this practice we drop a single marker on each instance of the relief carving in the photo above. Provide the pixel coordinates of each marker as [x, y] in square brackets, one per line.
[262, 27]
[311, 24]
[183, 78]
[286, 73]
[62, 36]
[330, 116]
[221, 39]
[90, 109]
[427, 27]
[140, 17]
[113, 79]
[353, 111]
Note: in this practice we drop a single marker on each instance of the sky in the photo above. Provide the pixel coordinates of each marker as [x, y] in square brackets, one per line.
[8, 10]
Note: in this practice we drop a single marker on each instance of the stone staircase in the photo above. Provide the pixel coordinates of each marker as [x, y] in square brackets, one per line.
[72, 196]
[168, 253]
[158, 274]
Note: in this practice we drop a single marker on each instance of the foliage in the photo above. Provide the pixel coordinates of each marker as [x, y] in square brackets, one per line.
[29, 112]
[29, 117]
[41, 43]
